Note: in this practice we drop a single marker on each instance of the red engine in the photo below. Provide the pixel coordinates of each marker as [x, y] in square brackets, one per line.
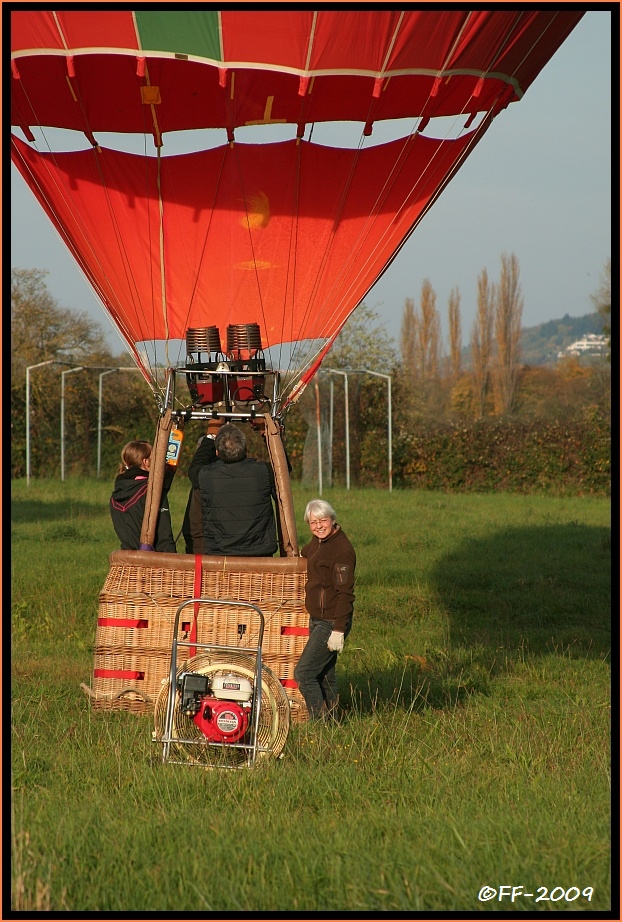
[221, 721]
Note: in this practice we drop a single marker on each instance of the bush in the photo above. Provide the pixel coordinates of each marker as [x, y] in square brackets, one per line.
[514, 456]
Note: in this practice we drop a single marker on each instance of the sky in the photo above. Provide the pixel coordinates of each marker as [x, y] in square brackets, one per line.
[538, 185]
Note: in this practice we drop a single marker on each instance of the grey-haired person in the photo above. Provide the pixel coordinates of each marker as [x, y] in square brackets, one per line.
[329, 600]
[237, 498]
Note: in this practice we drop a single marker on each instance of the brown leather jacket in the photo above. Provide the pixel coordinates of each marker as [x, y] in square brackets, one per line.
[329, 593]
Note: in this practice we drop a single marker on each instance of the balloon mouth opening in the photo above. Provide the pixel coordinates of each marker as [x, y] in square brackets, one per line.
[347, 135]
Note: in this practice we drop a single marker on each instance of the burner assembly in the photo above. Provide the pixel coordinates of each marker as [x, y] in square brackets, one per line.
[231, 380]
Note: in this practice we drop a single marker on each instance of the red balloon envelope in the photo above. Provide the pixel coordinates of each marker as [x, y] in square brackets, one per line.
[290, 235]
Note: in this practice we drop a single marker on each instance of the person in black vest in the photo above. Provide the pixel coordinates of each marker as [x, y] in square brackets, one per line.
[236, 499]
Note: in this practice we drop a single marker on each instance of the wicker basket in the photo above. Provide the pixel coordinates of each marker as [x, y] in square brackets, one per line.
[137, 608]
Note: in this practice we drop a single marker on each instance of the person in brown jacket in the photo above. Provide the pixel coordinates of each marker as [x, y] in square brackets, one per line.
[329, 600]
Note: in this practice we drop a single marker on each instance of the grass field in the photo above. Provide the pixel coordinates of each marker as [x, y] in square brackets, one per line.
[474, 748]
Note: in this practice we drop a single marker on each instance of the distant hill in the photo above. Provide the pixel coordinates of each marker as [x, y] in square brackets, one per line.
[540, 344]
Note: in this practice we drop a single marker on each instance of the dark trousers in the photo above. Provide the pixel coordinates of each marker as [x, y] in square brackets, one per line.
[315, 670]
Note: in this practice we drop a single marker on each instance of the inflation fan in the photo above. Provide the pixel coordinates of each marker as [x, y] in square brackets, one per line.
[221, 708]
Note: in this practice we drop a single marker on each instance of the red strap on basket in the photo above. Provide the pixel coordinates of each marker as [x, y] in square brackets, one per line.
[297, 631]
[288, 683]
[123, 622]
[118, 674]
[197, 592]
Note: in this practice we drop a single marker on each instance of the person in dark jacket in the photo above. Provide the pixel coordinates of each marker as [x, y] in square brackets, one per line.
[192, 527]
[329, 600]
[127, 503]
[236, 499]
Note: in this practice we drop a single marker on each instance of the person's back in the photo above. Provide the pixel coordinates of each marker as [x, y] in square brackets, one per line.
[192, 527]
[236, 499]
[127, 503]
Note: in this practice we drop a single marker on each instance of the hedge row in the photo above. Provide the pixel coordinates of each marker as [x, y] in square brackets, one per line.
[570, 457]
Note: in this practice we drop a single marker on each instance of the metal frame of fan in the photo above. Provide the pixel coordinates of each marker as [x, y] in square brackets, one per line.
[181, 738]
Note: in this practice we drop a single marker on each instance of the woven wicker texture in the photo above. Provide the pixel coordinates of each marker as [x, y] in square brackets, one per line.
[137, 607]
[274, 716]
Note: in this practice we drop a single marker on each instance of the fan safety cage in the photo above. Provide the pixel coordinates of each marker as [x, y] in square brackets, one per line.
[190, 747]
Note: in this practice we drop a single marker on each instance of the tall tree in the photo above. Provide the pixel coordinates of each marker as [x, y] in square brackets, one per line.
[427, 334]
[481, 338]
[601, 300]
[408, 379]
[41, 330]
[455, 334]
[408, 336]
[508, 324]
[363, 343]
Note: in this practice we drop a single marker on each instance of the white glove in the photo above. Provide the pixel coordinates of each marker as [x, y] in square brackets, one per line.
[335, 642]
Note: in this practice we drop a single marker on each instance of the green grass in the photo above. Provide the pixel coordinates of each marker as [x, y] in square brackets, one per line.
[474, 747]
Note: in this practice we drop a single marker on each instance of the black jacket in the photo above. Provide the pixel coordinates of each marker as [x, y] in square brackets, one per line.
[127, 509]
[192, 527]
[238, 517]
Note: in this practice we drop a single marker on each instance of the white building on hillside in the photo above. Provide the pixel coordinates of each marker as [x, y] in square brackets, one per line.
[590, 344]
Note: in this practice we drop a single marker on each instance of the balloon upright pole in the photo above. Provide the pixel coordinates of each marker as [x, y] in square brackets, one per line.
[285, 503]
[155, 482]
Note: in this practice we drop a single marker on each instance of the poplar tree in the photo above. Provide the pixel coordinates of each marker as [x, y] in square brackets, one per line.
[481, 338]
[508, 325]
[455, 334]
[601, 299]
[407, 336]
[427, 334]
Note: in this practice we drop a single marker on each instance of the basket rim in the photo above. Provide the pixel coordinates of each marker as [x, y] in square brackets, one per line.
[157, 560]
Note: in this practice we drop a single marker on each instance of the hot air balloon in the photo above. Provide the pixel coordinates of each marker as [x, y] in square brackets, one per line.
[230, 269]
